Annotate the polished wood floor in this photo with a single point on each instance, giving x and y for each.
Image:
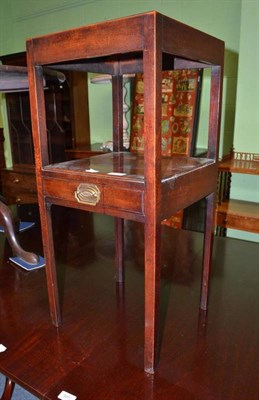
(97, 354)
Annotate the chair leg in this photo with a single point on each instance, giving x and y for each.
(207, 249)
(119, 249)
(8, 389)
(152, 295)
(7, 222)
(51, 273)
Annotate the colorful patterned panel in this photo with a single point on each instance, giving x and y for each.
(179, 93)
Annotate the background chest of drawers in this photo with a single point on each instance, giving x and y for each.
(19, 184)
(67, 124)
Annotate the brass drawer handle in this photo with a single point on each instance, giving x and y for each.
(87, 194)
(18, 200)
(16, 180)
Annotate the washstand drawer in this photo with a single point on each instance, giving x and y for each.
(101, 195)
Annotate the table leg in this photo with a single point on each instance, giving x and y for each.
(119, 249)
(49, 253)
(152, 294)
(207, 249)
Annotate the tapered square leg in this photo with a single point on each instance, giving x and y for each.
(207, 249)
(119, 249)
(152, 295)
(51, 273)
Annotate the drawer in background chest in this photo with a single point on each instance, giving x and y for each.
(19, 187)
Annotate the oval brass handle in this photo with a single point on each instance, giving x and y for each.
(18, 200)
(87, 194)
(16, 180)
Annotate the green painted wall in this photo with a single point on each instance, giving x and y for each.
(234, 21)
(1, 119)
(246, 132)
(28, 18)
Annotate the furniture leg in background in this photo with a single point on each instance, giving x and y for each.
(8, 389)
(7, 222)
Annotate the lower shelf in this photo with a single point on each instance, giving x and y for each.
(238, 214)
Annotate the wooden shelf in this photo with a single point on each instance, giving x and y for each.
(243, 163)
(239, 214)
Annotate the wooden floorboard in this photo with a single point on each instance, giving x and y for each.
(98, 351)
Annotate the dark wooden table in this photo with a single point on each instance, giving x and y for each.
(97, 353)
